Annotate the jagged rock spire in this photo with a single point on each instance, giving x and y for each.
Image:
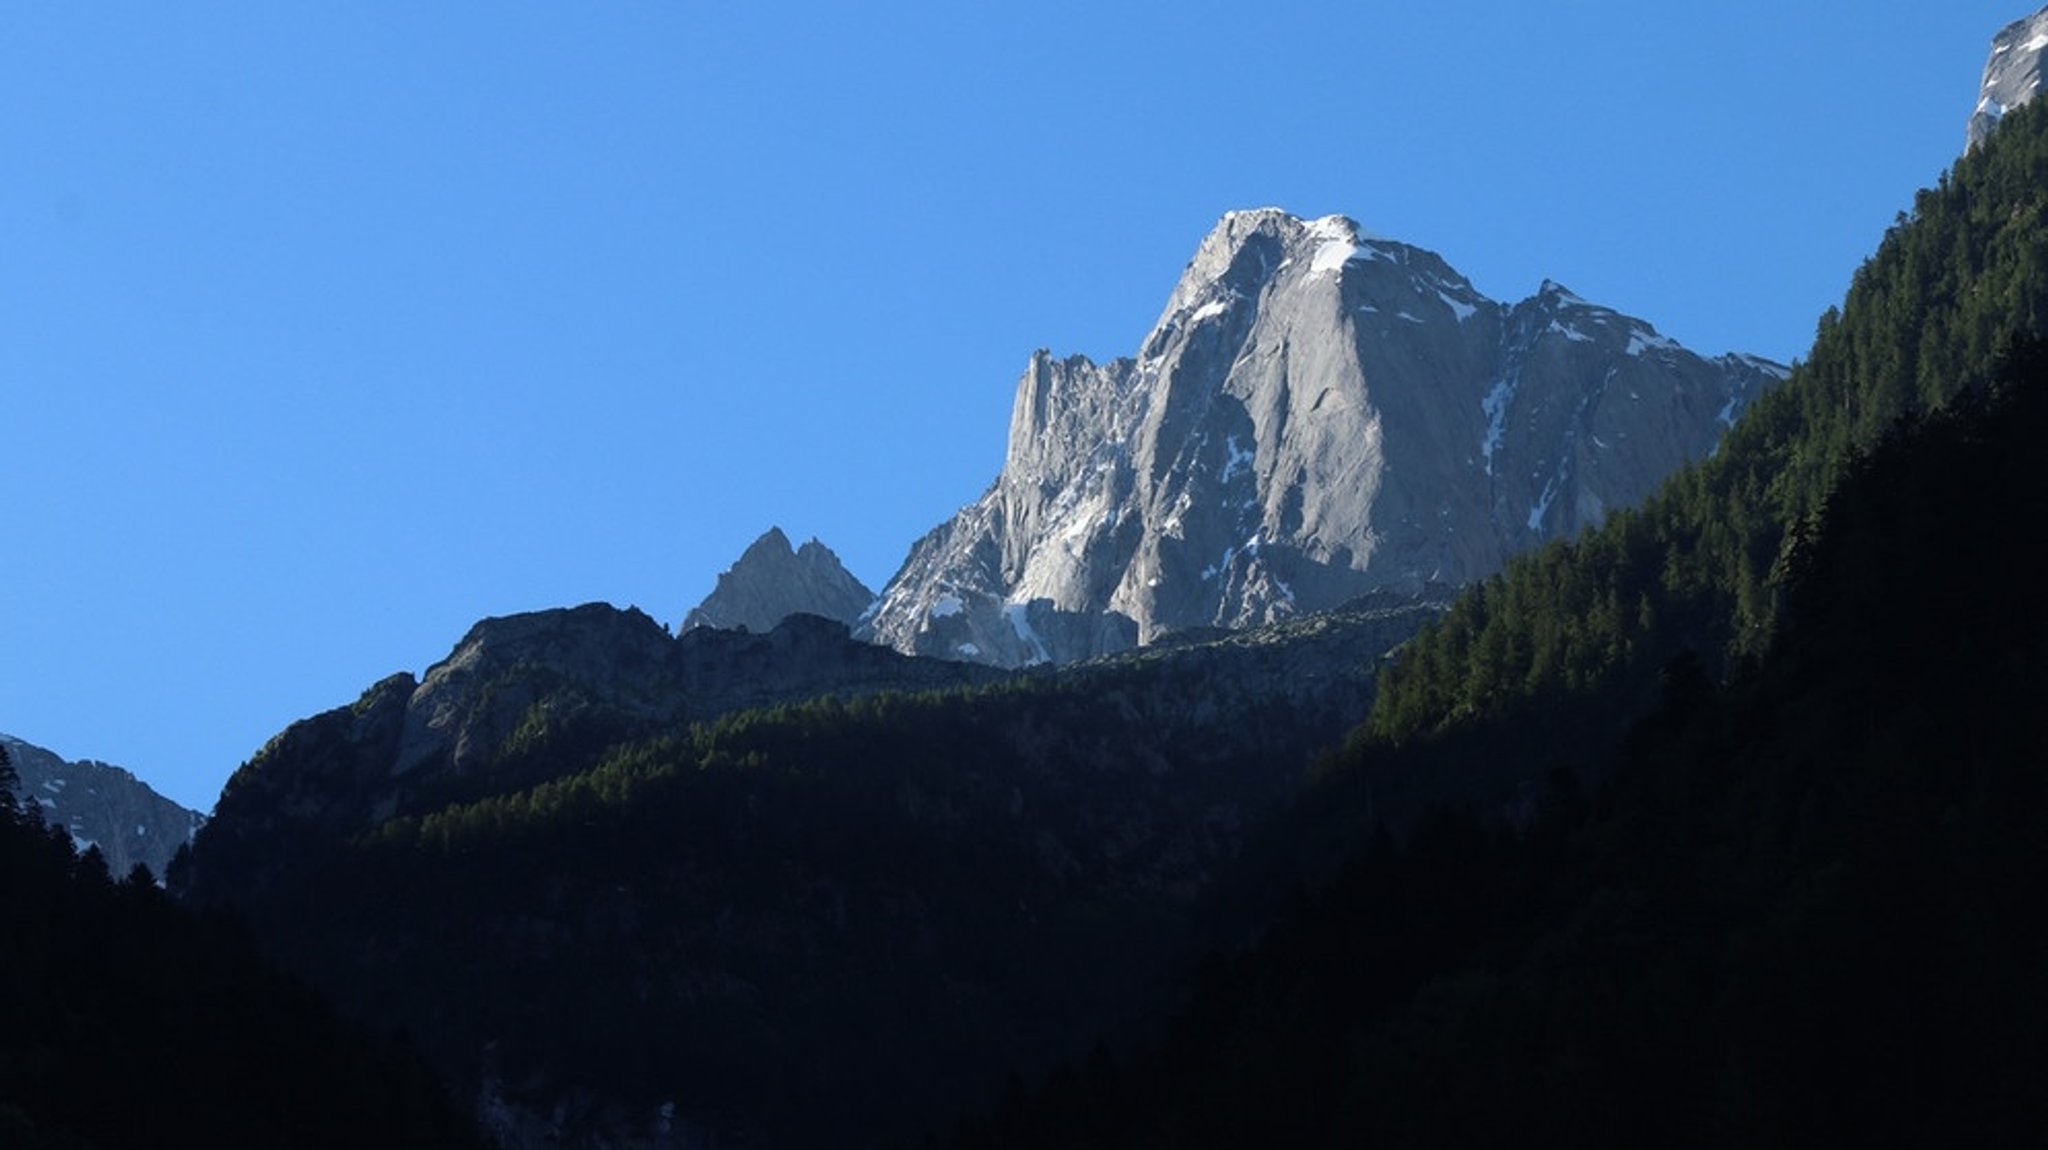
(772, 582)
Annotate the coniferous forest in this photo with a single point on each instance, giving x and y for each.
(126, 1020)
(1724, 824)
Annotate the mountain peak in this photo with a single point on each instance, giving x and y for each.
(771, 581)
(1319, 413)
(772, 541)
(2011, 76)
(1247, 249)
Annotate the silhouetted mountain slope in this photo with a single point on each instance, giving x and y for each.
(128, 1021)
(1804, 909)
(586, 905)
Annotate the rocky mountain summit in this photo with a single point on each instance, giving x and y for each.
(105, 806)
(772, 582)
(1319, 413)
(2012, 75)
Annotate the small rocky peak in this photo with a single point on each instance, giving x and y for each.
(102, 805)
(470, 701)
(772, 547)
(772, 581)
(559, 635)
(1246, 249)
(2011, 76)
(1558, 297)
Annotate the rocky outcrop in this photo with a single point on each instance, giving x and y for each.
(2011, 76)
(771, 582)
(574, 680)
(1318, 414)
(104, 806)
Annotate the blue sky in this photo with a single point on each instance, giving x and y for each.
(328, 330)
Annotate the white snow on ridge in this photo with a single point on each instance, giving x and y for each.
(1777, 371)
(1571, 333)
(2039, 42)
(1566, 295)
(1642, 339)
(1339, 242)
(946, 606)
(1332, 257)
(1463, 311)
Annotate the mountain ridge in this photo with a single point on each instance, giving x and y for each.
(1318, 413)
(103, 806)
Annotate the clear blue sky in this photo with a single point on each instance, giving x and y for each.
(326, 330)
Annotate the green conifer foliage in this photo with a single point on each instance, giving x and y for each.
(1701, 565)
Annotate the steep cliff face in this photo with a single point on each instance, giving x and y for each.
(1318, 414)
(771, 582)
(104, 806)
(2011, 76)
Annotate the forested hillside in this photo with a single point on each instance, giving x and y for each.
(880, 905)
(1700, 566)
(128, 1021)
(1798, 902)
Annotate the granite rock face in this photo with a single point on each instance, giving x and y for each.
(772, 582)
(105, 806)
(1319, 414)
(2011, 76)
